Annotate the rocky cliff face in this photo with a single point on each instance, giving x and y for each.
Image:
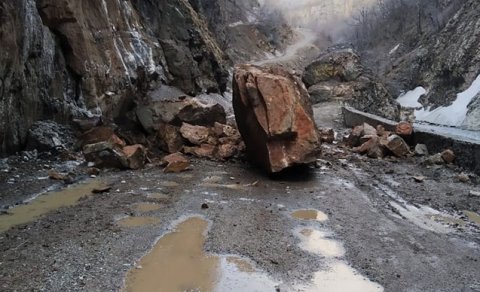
(64, 59)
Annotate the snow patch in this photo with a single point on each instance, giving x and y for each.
(410, 98)
(453, 115)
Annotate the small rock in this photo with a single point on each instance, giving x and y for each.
(419, 179)
(404, 129)
(106, 154)
(353, 140)
(205, 206)
(421, 150)
(463, 177)
(101, 134)
(449, 156)
(204, 151)
(435, 159)
(398, 146)
(136, 156)
(175, 163)
(327, 135)
(474, 194)
(369, 130)
(93, 171)
(197, 135)
(55, 175)
(226, 151)
(101, 190)
(171, 140)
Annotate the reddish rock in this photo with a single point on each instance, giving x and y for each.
(381, 130)
(197, 135)
(404, 129)
(397, 145)
(371, 147)
(226, 151)
(170, 139)
(222, 130)
(448, 156)
(136, 156)
(101, 134)
(175, 163)
(275, 117)
(204, 151)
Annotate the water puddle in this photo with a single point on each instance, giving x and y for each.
(318, 242)
(340, 277)
(310, 215)
(177, 262)
(472, 216)
(133, 222)
(337, 274)
(47, 202)
(146, 207)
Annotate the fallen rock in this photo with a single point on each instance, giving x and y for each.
(105, 154)
(204, 151)
(275, 117)
(463, 177)
(421, 150)
(175, 163)
(398, 146)
(48, 135)
(419, 179)
(101, 189)
(449, 156)
(136, 155)
(55, 175)
(197, 135)
(371, 147)
(226, 151)
(327, 135)
(368, 130)
(474, 194)
(353, 140)
(101, 134)
(186, 110)
(170, 139)
(435, 159)
(404, 129)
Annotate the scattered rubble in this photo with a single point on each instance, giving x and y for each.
(49, 136)
(175, 163)
(275, 117)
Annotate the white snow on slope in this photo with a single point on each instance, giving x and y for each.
(410, 98)
(453, 115)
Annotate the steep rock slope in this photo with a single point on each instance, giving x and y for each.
(64, 59)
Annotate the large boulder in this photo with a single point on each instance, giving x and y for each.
(275, 117)
(342, 65)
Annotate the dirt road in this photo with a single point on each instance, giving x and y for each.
(351, 224)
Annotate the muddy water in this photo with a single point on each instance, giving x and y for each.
(47, 202)
(177, 262)
(310, 215)
(146, 207)
(132, 222)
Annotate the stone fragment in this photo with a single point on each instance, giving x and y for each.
(419, 179)
(369, 130)
(397, 146)
(353, 140)
(175, 163)
(463, 177)
(136, 156)
(55, 175)
(474, 193)
(371, 147)
(226, 151)
(404, 129)
(101, 134)
(327, 135)
(48, 136)
(204, 151)
(275, 117)
(105, 154)
(421, 150)
(170, 139)
(435, 159)
(449, 156)
(197, 135)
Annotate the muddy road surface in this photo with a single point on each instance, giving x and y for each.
(348, 224)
